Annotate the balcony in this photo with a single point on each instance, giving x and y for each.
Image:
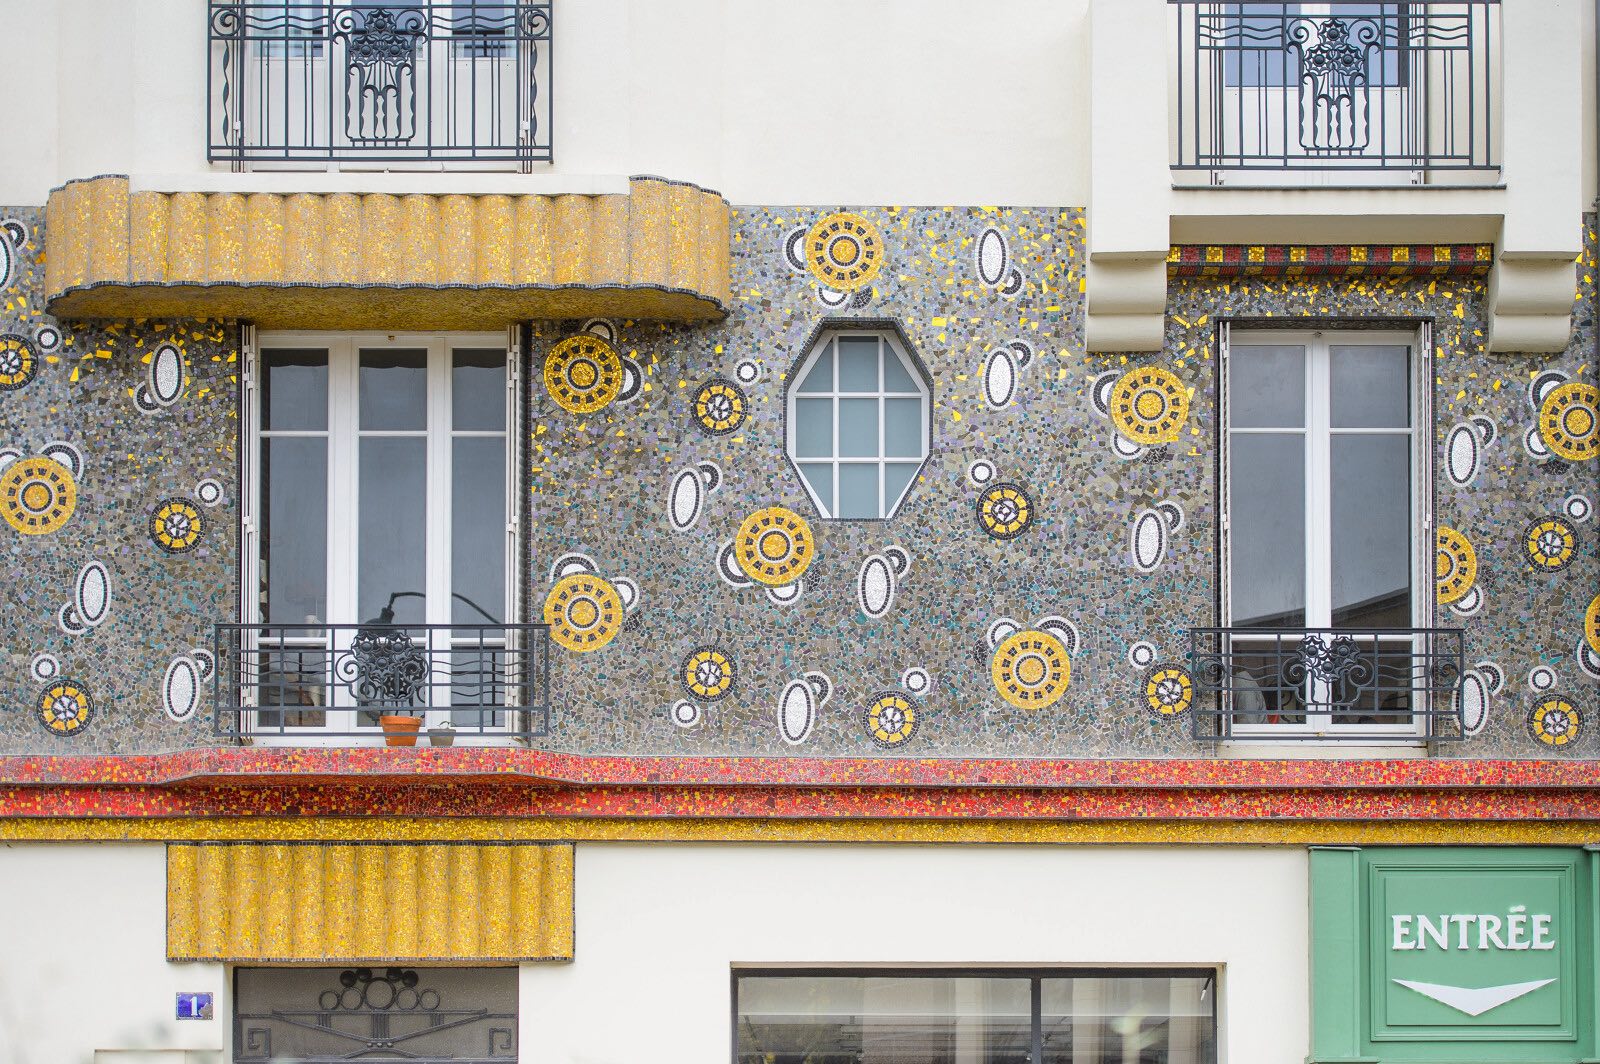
(1377, 684)
(1342, 93)
(294, 84)
(310, 682)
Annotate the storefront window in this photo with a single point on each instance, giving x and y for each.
(943, 1017)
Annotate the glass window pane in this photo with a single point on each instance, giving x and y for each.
(1268, 538)
(858, 490)
(813, 428)
(392, 527)
(1267, 387)
(819, 378)
(294, 529)
(478, 530)
(478, 390)
(820, 476)
(902, 428)
(896, 475)
(1371, 531)
(858, 428)
(1371, 387)
(896, 378)
(337, 1013)
(1117, 1019)
(294, 389)
(394, 389)
(858, 363)
(884, 1020)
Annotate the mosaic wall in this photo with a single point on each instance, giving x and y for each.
(1028, 598)
(117, 489)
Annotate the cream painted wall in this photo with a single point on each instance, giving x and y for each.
(658, 928)
(83, 957)
(830, 101)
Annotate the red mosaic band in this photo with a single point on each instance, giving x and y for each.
(491, 783)
(1329, 260)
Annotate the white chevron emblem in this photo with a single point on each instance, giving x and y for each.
(1474, 1002)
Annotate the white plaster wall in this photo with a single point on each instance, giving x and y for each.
(829, 101)
(658, 928)
(83, 957)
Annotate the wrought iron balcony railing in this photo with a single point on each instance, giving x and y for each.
(298, 82)
(1326, 683)
(1346, 88)
(336, 680)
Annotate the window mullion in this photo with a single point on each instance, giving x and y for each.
(439, 448)
(1319, 509)
(344, 512)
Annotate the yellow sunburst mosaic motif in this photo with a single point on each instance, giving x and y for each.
(844, 251)
(1591, 624)
(37, 495)
(65, 707)
(1550, 544)
(1004, 511)
(720, 406)
(1031, 669)
(18, 362)
(891, 719)
(1149, 405)
(1168, 690)
(774, 546)
(708, 673)
(1555, 722)
(1455, 564)
(1569, 421)
(176, 526)
(583, 373)
(584, 612)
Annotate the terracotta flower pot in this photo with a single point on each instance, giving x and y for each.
(400, 730)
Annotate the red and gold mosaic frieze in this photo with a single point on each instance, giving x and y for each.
(1330, 260)
(491, 784)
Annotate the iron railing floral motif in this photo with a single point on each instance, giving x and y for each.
(319, 81)
(368, 1014)
(1356, 87)
(336, 680)
(1322, 683)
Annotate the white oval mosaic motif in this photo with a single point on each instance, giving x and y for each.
(68, 621)
(992, 257)
(44, 667)
(1142, 655)
(1534, 444)
(1473, 702)
(999, 378)
(685, 714)
(569, 563)
(1493, 674)
(1470, 603)
(93, 594)
(788, 593)
(916, 681)
(7, 262)
(180, 689)
(797, 712)
(1578, 507)
(1147, 540)
(685, 499)
(1461, 452)
(166, 375)
(980, 472)
(1542, 678)
(209, 492)
(875, 586)
(1125, 448)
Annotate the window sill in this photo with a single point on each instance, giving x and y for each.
(1268, 749)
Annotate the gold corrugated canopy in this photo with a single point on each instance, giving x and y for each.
(381, 261)
(369, 902)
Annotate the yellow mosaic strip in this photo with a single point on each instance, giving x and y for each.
(369, 901)
(617, 829)
(301, 260)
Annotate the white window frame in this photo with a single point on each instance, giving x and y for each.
(344, 434)
(1318, 504)
(823, 342)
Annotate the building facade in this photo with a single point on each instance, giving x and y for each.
(1044, 532)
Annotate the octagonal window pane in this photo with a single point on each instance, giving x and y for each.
(858, 416)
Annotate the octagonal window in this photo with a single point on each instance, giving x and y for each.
(858, 423)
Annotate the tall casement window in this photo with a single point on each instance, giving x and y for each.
(994, 1016)
(858, 427)
(380, 494)
(1326, 555)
